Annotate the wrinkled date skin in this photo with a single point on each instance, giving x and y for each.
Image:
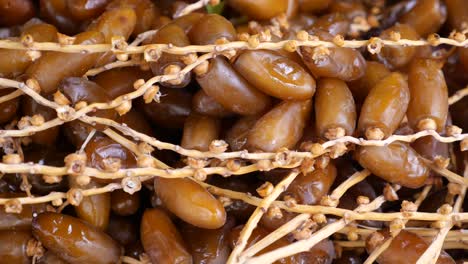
(395, 163)
(81, 90)
(310, 188)
(237, 135)
(75, 241)
(275, 75)
(336, 62)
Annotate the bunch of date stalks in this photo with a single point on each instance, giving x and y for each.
(233, 131)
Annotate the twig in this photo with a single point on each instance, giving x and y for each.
(453, 235)
(191, 7)
(142, 37)
(361, 244)
(132, 146)
(275, 235)
(130, 260)
(11, 96)
(88, 138)
(381, 248)
(458, 95)
(257, 214)
(307, 244)
(266, 155)
(354, 179)
(352, 215)
(299, 246)
(99, 48)
(112, 65)
(449, 175)
(431, 255)
(61, 195)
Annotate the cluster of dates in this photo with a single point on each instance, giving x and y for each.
(255, 100)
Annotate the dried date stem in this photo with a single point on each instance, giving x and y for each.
(257, 214)
(130, 260)
(35, 168)
(268, 155)
(431, 255)
(364, 212)
(306, 244)
(99, 48)
(61, 195)
(192, 7)
(362, 244)
(458, 95)
(381, 248)
(350, 182)
(453, 235)
(112, 65)
(10, 96)
(274, 236)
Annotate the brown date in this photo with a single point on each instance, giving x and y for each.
(396, 163)
(429, 95)
(13, 247)
(206, 105)
(52, 67)
(190, 202)
(231, 90)
(406, 247)
(14, 12)
(161, 239)
(396, 57)
(385, 106)
(172, 110)
(260, 9)
(73, 240)
(336, 62)
(211, 28)
(200, 131)
(123, 203)
(426, 17)
(281, 127)
(333, 122)
(275, 75)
